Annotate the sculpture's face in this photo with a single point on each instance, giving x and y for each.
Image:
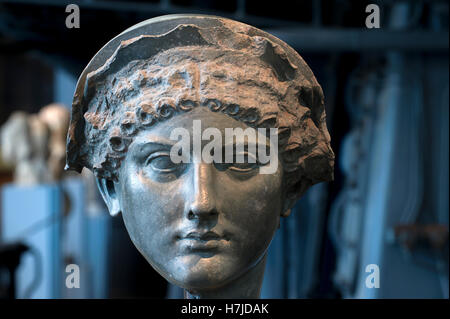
(199, 225)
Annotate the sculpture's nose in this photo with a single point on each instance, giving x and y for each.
(202, 202)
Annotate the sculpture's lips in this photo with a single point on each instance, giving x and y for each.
(202, 236)
(202, 241)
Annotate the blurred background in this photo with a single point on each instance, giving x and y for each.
(387, 103)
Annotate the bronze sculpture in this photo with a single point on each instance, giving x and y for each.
(204, 226)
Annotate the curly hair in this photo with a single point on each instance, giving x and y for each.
(247, 77)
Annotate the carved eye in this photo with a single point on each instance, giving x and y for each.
(161, 163)
(245, 167)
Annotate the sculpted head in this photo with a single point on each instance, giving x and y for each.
(200, 224)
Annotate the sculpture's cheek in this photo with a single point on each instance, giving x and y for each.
(254, 210)
(150, 212)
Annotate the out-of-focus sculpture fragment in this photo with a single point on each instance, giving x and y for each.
(35, 144)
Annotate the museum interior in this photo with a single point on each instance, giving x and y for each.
(378, 230)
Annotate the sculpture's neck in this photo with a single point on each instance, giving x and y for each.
(248, 286)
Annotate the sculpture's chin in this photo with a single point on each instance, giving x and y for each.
(200, 273)
(200, 280)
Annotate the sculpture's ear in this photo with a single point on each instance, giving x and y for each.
(108, 190)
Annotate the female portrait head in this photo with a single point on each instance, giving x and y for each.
(202, 225)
